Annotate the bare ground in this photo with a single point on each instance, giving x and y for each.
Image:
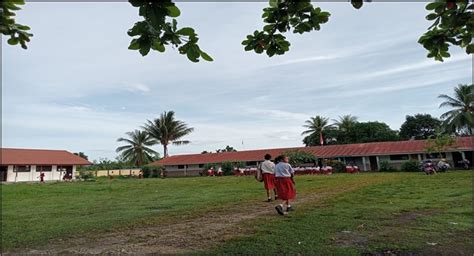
(186, 235)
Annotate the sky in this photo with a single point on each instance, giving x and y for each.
(79, 88)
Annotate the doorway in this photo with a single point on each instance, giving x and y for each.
(373, 163)
(3, 173)
(65, 172)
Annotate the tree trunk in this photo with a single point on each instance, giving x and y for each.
(165, 151)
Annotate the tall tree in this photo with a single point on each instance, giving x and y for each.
(226, 149)
(315, 127)
(345, 122)
(461, 117)
(166, 129)
(419, 126)
(371, 132)
(137, 150)
(82, 155)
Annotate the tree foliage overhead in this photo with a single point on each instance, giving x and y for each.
(453, 24)
(280, 17)
(159, 28)
(419, 126)
(18, 33)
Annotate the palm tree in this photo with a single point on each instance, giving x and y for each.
(137, 150)
(461, 117)
(166, 129)
(316, 125)
(345, 122)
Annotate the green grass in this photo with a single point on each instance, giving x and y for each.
(401, 211)
(403, 215)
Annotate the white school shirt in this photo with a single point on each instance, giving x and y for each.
(283, 169)
(267, 167)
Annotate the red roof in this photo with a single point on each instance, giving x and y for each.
(330, 151)
(16, 156)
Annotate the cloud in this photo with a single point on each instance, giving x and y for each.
(137, 87)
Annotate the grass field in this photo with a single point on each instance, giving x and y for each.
(339, 214)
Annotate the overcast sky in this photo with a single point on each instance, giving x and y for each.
(78, 88)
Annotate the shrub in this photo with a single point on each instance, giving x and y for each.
(152, 171)
(337, 165)
(86, 175)
(227, 168)
(410, 166)
(385, 166)
(299, 157)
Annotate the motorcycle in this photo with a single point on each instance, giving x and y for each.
(428, 167)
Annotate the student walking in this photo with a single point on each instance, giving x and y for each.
(285, 185)
(41, 176)
(268, 174)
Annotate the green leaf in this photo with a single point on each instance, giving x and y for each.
(173, 11)
(357, 3)
(432, 6)
(186, 31)
(470, 49)
(134, 45)
(157, 45)
(205, 56)
(273, 3)
(193, 53)
(431, 16)
(13, 41)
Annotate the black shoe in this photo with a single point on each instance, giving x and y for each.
(276, 198)
(279, 209)
(290, 209)
(269, 200)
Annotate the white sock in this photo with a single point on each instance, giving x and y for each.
(288, 206)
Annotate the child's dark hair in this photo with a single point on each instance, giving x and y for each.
(268, 156)
(279, 158)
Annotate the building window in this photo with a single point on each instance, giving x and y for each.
(435, 155)
(181, 166)
(201, 165)
(399, 157)
(22, 168)
(44, 168)
(252, 163)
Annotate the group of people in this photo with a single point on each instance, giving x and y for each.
(278, 178)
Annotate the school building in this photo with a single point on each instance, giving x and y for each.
(18, 165)
(367, 156)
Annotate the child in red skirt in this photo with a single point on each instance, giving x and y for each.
(268, 173)
(285, 185)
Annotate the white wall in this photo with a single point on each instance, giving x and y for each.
(33, 175)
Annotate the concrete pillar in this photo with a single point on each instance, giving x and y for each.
(364, 165)
(419, 157)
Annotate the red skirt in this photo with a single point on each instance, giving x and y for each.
(285, 188)
(269, 181)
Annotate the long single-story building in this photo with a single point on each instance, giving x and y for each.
(26, 164)
(367, 156)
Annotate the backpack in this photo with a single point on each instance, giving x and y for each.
(258, 174)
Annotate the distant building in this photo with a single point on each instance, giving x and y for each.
(365, 155)
(19, 165)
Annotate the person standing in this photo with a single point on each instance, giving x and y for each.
(285, 185)
(41, 176)
(268, 174)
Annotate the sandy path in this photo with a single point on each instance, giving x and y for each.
(187, 235)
